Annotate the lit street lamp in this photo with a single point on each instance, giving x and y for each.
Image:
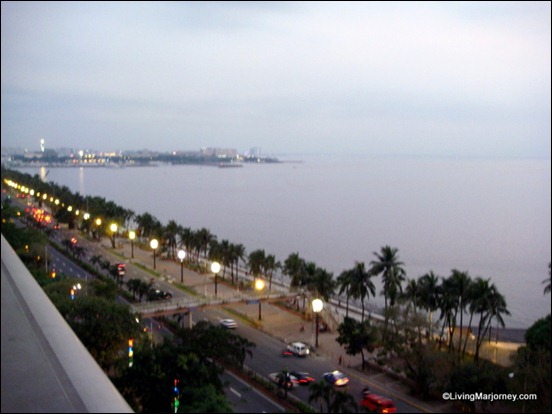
(317, 306)
(181, 256)
(132, 236)
(98, 224)
(154, 244)
(113, 228)
(215, 268)
(259, 286)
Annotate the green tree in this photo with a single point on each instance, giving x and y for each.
(392, 273)
(321, 391)
(357, 337)
(361, 285)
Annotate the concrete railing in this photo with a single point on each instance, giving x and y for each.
(45, 367)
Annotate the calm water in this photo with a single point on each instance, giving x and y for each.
(490, 218)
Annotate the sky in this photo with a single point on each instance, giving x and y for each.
(454, 79)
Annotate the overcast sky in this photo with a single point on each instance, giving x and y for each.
(453, 79)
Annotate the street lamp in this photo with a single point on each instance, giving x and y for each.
(215, 268)
(154, 244)
(317, 306)
(181, 256)
(113, 228)
(98, 224)
(259, 286)
(132, 236)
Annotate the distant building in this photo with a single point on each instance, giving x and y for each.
(219, 152)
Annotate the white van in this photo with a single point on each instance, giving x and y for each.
(298, 348)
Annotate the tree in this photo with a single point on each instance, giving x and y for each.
(344, 284)
(321, 391)
(256, 262)
(361, 285)
(294, 267)
(392, 273)
(461, 282)
(428, 287)
(357, 337)
(283, 380)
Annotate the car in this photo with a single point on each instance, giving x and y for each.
(298, 348)
(291, 383)
(337, 378)
(303, 378)
(229, 323)
(377, 404)
(156, 294)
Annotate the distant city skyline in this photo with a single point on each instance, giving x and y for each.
(458, 79)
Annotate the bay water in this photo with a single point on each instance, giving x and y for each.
(491, 218)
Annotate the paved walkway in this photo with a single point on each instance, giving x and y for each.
(286, 324)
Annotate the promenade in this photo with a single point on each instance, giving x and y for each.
(285, 324)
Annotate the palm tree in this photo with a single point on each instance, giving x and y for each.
(294, 267)
(343, 402)
(170, 231)
(321, 391)
(204, 238)
(323, 283)
(491, 304)
(237, 253)
(392, 274)
(96, 259)
(428, 286)
(461, 282)
(344, 283)
(477, 292)
(284, 380)
(256, 262)
(270, 266)
(361, 285)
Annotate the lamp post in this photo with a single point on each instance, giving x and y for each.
(317, 306)
(181, 256)
(215, 268)
(154, 244)
(98, 224)
(132, 236)
(113, 228)
(259, 286)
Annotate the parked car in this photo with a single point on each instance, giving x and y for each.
(290, 384)
(229, 323)
(303, 378)
(377, 404)
(337, 378)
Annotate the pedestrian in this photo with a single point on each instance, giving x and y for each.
(340, 359)
(302, 328)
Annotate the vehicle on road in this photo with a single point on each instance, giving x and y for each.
(156, 294)
(297, 348)
(337, 378)
(377, 404)
(229, 323)
(303, 378)
(276, 377)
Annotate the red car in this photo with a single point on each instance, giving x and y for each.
(377, 404)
